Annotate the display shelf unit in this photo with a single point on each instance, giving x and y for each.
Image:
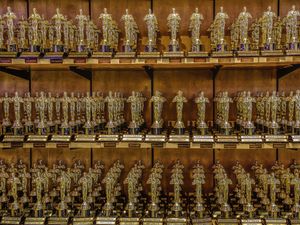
(143, 145)
(210, 77)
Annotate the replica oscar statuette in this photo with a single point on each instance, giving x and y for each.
(173, 23)
(130, 42)
(179, 133)
(151, 53)
(197, 50)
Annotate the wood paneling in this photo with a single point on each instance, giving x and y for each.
(255, 7)
(191, 82)
(290, 82)
(163, 8)
(19, 7)
(58, 82)
(286, 5)
(246, 157)
(288, 156)
(68, 8)
(127, 157)
(188, 157)
(254, 80)
(11, 84)
(68, 156)
(14, 155)
(125, 81)
(117, 9)
(185, 10)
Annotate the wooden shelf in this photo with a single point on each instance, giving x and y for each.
(143, 145)
(141, 66)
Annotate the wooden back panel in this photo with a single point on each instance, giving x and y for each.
(254, 80)
(68, 156)
(191, 82)
(286, 5)
(125, 81)
(68, 8)
(117, 9)
(19, 7)
(163, 8)
(58, 82)
(188, 157)
(11, 84)
(127, 157)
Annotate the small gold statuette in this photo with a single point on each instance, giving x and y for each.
(107, 43)
(6, 123)
(201, 102)
(179, 99)
(34, 21)
(134, 123)
(17, 125)
(2, 23)
(131, 32)
(81, 22)
(296, 103)
(133, 181)
(58, 20)
(137, 122)
(173, 23)
(197, 49)
(243, 24)
(271, 36)
(292, 33)
(223, 106)
(111, 105)
(112, 189)
(194, 28)
(152, 27)
(177, 212)
(198, 177)
(10, 16)
(157, 101)
(217, 35)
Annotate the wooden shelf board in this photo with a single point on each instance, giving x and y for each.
(143, 145)
(141, 66)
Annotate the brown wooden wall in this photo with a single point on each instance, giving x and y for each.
(168, 81)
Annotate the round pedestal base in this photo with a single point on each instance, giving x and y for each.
(179, 131)
(156, 131)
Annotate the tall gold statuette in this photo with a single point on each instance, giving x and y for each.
(137, 123)
(271, 27)
(157, 134)
(109, 38)
(244, 46)
(179, 133)
(197, 50)
(155, 215)
(173, 23)
(108, 213)
(223, 125)
(292, 31)
(130, 43)
(88, 126)
(217, 35)
(132, 210)
(200, 215)
(201, 133)
(177, 215)
(151, 49)
(8, 48)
